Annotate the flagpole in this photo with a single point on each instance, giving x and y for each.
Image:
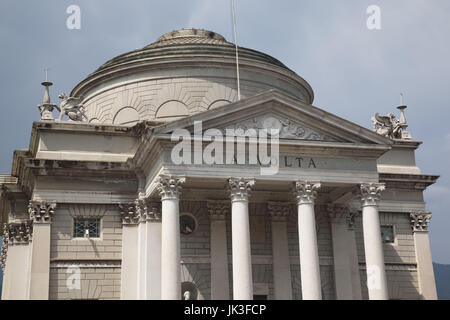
(237, 52)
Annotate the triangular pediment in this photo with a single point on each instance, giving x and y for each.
(273, 109)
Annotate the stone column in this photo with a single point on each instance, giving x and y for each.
(345, 256)
(309, 255)
(141, 211)
(218, 211)
(373, 245)
(427, 283)
(153, 251)
(170, 190)
(41, 214)
(282, 280)
(129, 270)
(15, 260)
(240, 228)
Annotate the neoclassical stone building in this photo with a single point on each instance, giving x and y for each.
(97, 208)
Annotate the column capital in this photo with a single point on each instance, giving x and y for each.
(371, 193)
(41, 211)
(279, 211)
(169, 187)
(218, 209)
(420, 221)
(240, 188)
(306, 191)
(15, 233)
(129, 213)
(341, 214)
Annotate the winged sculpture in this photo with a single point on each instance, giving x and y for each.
(71, 107)
(387, 126)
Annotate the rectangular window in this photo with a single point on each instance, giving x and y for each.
(86, 228)
(387, 234)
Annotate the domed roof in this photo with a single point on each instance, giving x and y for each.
(190, 41)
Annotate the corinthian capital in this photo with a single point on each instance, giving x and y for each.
(19, 232)
(371, 193)
(341, 214)
(129, 213)
(306, 192)
(169, 187)
(279, 211)
(153, 211)
(240, 188)
(41, 211)
(218, 209)
(420, 220)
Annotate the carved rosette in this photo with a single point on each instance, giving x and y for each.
(240, 188)
(420, 220)
(341, 214)
(41, 211)
(218, 210)
(279, 211)
(129, 213)
(371, 193)
(306, 192)
(169, 187)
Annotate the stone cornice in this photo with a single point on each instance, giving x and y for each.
(420, 221)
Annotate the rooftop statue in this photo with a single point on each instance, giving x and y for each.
(391, 127)
(71, 107)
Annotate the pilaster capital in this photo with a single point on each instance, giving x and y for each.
(279, 211)
(420, 221)
(169, 187)
(371, 193)
(153, 211)
(218, 209)
(240, 188)
(341, 214)
(129, 214)
(306, 191)
(41, 211)
(18, 232)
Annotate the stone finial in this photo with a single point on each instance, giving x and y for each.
(306, 191)
(240, 188)
(41, 211)
(218, 209)
(279, 211)
(169, 187)
(371, 193)
(420, 220)
(46, 108)
(129, 213)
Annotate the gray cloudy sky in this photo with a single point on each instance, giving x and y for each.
(354, 72)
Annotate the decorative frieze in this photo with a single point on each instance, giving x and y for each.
(420, 220)
(371, 193)
(41, 211)
(218, 209)
(169, 187)
(279, 211)
(306, 192)
(129, 213)
(240, 188)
